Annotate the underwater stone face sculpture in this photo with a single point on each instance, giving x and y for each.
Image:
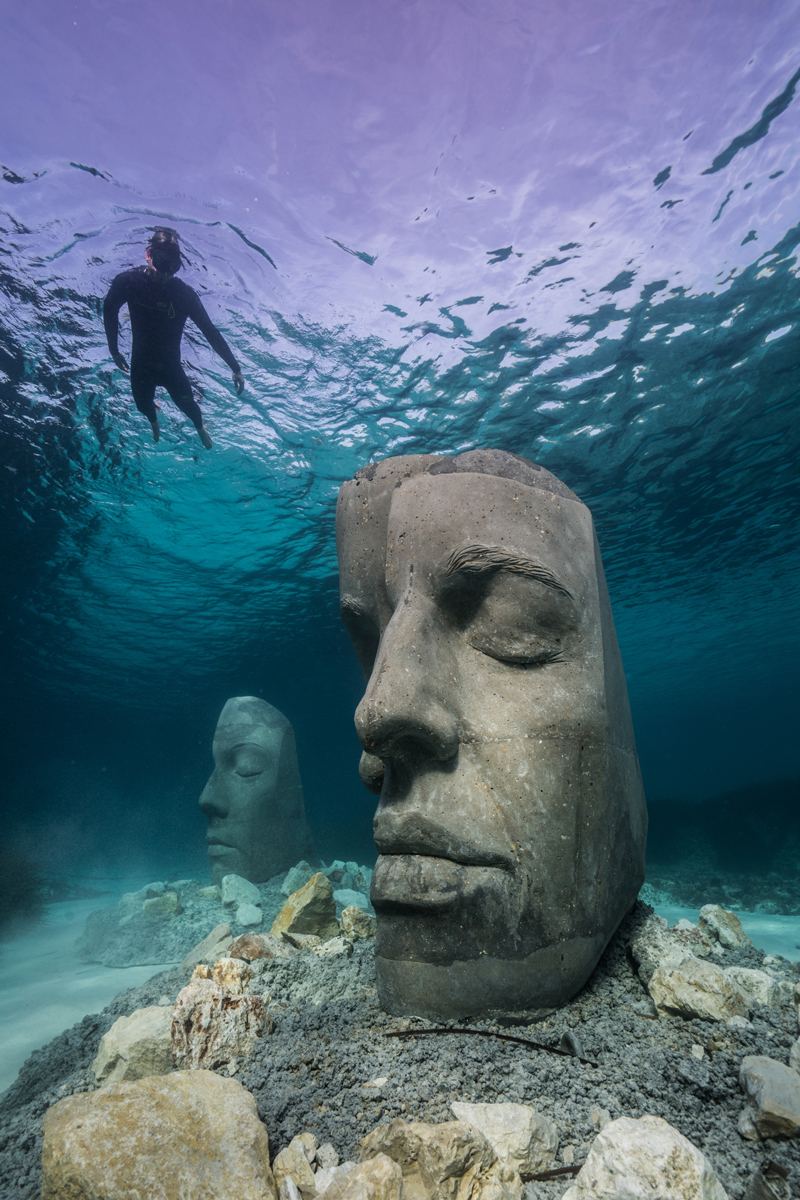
(495, 725)
(254, 799)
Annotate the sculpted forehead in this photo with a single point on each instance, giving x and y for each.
(249, 720)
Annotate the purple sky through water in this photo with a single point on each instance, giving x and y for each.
(421, 134)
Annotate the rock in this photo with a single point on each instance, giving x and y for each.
(739, 1023)
(524, 1139)
(252, 946)
(209, 893)
(288, 1190)
(212, 1027)
(302, 941)
(723, 926)
(135, 1046)
(210, 1142)
(310, 1145)
(654, 947)
(236, 890)
(327, 1157)
(212, 947)
(378, 1178)
(758, 985)
(600, 1117)
(248, 914)
(233, 974)
(333, 948)
(794, 1056)
(148, 892)
(451, 1161)
(773, 1092)
(692, 937)
(348, 898)
(697, 989)
(293, 1161)
(326, 1175)
(645, 1158)
(309, 910)
(770, 1182)
(168, 905)
(296, 877)
(356, 923)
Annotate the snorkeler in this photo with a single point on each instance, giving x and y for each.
(159, 304)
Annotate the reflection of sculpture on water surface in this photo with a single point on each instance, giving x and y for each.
(254, 799)
(511, 822)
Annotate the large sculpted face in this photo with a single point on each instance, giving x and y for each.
(495, 724)
(254, 798)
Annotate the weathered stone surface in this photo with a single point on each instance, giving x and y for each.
(309, 910)
(210, 949)
(235, 890)
(519, 810)
(185, 1135)
(356, 923)
(296, 877)
(252, 946)
(293, 1161)
(148, 892)
(723, 926)
(302, 941)
(325, 1176)
(693, 938)
(349, 898)
(451, 1161)
(254, 799)
(249, 914)
(212, 1027)
(794, 1056)
(697, 989)
(166, 905)
(524, 1139)
(656, 947)
(773, 1092)
(288, 1189)
(135, 1046)
(233, 974)
(378, 1178)
(758, 985)
(210, 893)
(333, 948)
(327, 1157)
(645, 1160)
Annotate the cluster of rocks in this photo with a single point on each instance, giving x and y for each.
(662, 1094)
(689, 884)
(162, 921)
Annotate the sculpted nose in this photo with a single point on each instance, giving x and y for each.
(211, 802)
(405, 712)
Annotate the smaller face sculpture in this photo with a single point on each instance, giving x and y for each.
(495, 724)
(254, 799)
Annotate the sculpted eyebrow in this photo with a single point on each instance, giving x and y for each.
(481, 560)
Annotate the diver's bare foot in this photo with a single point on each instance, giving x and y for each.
(156, 430)
(205, 437)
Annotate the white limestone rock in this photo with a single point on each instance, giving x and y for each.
(334, 948)
(697, 989)
(723, 926)
(645, 1159)
(212, 947)
(327, 1157)
(378, 1178)
(356, 923)
(655, 947)
(292, 1162)
(166, 905)
(189, 1134)
(209, 893)
(326, 1175)
(348, 898)
(213, 1027)
(135, 1046)
(236, 890)
(773, 1093)
(296, 877)
(521, 1137)
(758, 985)
(249, 915)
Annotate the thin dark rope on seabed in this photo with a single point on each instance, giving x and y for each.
(503, 1037)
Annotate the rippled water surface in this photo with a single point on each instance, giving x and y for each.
(570, 231)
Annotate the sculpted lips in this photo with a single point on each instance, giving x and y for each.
(424, 865)
(416, 834)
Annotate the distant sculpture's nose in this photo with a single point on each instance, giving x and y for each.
(212, 801)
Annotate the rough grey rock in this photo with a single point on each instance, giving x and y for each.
(212, 947)
(773, 1092)
(758, 985)
(135, 1046)
(794, 1056)
(347, 898)
(254, 799)
(296, 877)
(697, 989)
(645, 1158)
(724, 926)
(235, 890)
(516, 809)
(656, 947)
(521, 1137)
(249, 916)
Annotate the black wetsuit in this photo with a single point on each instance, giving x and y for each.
(158, 309)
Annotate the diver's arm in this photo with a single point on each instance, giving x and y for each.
(215, 339)
(115, 298)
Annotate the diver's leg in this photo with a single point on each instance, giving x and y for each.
(144, 392)
(180, 391)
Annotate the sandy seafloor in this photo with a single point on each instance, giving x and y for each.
(330, 1037)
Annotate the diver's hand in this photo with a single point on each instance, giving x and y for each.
(238, 380)
(120, 361)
